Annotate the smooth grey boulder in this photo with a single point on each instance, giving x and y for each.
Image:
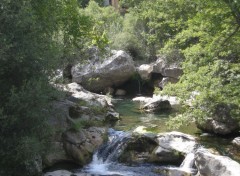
(174, 102)
(98, 75)
(157, 105)
(77, 92)
(145, 71)
(215, 165)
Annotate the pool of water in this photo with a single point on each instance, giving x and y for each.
(132, 117)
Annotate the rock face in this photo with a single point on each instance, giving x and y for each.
(173, 147)
(59, 173)
(81, 145)
(68, 145)
(72, 141)
(97, 76)
(77, 93)
(165, 148)
(221, 123)
(145, 71)
(138, 150)
(169, 73)
(214, 165)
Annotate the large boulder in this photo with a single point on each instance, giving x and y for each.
(97, 76)
(68, 119)
(164, 148)
(174, 102)
(221, 122)
(157, 105)
(138, 149)
(145, 71)
(215, 165)
(160, 71)
(173, 147)
(61, 146)
(78, 93)
(81, 145)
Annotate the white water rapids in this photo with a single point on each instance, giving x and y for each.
(105, 163)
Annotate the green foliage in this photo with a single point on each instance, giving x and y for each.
(209, 46)
(24, 128)
(107, 22)
(35, 36)
(129, 38)
(84, 124)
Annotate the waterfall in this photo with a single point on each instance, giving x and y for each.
(188, 163)
(108, 154)
(105, 163)
(116, 143)
(139, 87)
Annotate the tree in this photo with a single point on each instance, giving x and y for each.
(34, 35)
(209, 44)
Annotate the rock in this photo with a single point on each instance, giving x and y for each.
(56, 155)
(157, 105)
(172, 72)
(214, 165)
(92, 99)
(173, 147)
(66, 114)
(145, 71)
(236, 142)
(58, 173)
(174, 102)
(165, 148)
(120, 92)
(221, 122)
(34, 166)
(138, 149)
(112, 116)
(113, 71)
(172, 171)
(81, 145)
(142, 99)
(167, 80)
(159, 65)
(140, 130)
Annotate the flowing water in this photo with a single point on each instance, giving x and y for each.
(104, 161)
(132, 117)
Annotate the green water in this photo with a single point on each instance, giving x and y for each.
(132, 117)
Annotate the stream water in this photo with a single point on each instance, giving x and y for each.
(104, 161)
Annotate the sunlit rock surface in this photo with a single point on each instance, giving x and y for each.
(100, 74)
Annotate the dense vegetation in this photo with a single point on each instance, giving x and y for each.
(39, 36)
(204, 36)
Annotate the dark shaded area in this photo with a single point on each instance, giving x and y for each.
(62, 166)
(138, 87)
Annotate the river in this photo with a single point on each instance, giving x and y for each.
(105, 159)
